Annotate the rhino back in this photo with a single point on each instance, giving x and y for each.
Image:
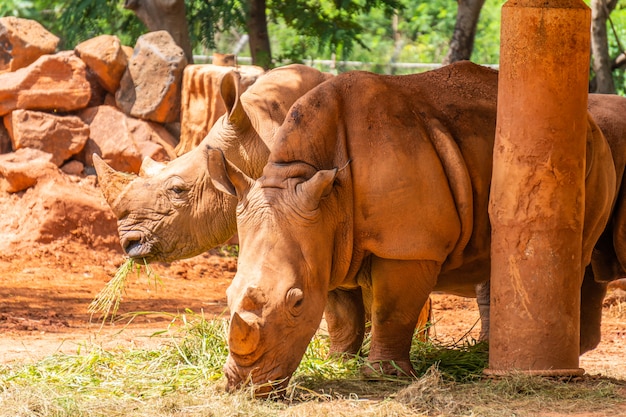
(401, 203)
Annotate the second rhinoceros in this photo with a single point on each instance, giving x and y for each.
(172, 211)
(392, 172)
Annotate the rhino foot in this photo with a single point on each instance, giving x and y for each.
(376, 370)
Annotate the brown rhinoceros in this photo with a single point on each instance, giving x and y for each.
(388, 172)
(172, 211)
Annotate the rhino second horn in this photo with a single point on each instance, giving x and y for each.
(150, 167)
(111, 183)
(244, 336)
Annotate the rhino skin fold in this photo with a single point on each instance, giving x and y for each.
(538, 188)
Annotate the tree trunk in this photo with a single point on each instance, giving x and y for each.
(601, 61)
(166, 15)
(256, 24)
(462, 42)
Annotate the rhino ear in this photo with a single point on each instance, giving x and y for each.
(317, 187)
(230, 90)
(225, 176)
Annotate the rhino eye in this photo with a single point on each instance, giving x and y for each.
(177, 190)
(295, 300)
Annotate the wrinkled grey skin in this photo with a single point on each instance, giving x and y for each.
(172, 211)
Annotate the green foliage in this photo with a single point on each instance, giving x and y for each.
(210, 19)
(323, 27)
(75, 21)
(617, 43)
(423, 32)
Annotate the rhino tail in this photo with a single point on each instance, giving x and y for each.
(460, 185)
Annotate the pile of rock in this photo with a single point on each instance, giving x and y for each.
(71, 104)
(125, 104)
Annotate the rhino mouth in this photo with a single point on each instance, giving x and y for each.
(269, 383)
(135, 246)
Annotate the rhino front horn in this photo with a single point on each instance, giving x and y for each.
(244, 336)
(111, 182)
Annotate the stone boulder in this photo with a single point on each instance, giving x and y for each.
(60, 136)
(105, 56)
(151, 85)
(202, 103)
(122, 141)
(53, 82)
(22, 42)
(22, 169)
(57, 209)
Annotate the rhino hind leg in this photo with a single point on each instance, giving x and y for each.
(345, 316)
(399, 291)
(592, 295)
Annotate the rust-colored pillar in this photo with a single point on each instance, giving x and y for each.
(537, 192)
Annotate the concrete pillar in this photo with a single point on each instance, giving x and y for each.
(537, 192)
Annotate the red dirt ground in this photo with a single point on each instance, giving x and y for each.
(45, 293)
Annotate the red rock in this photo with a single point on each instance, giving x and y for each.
(22, 41)
(151, 85)
(61, 136)
(58, 208)
(122, 141)
(202, 103)
(73, 167)
(98, 93)
(106, 58)
(152, 139)
(21, 169)
(53, 82)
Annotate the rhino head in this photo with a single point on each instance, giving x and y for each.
(278, 295)
(172, 211)
(161, 212)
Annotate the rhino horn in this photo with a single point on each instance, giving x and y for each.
(150, 167)
(112, 183)
(244, 335)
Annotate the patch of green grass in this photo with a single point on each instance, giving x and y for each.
(184, 377)
(229, 251)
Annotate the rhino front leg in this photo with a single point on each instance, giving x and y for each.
(345, 316)
(399, 290)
